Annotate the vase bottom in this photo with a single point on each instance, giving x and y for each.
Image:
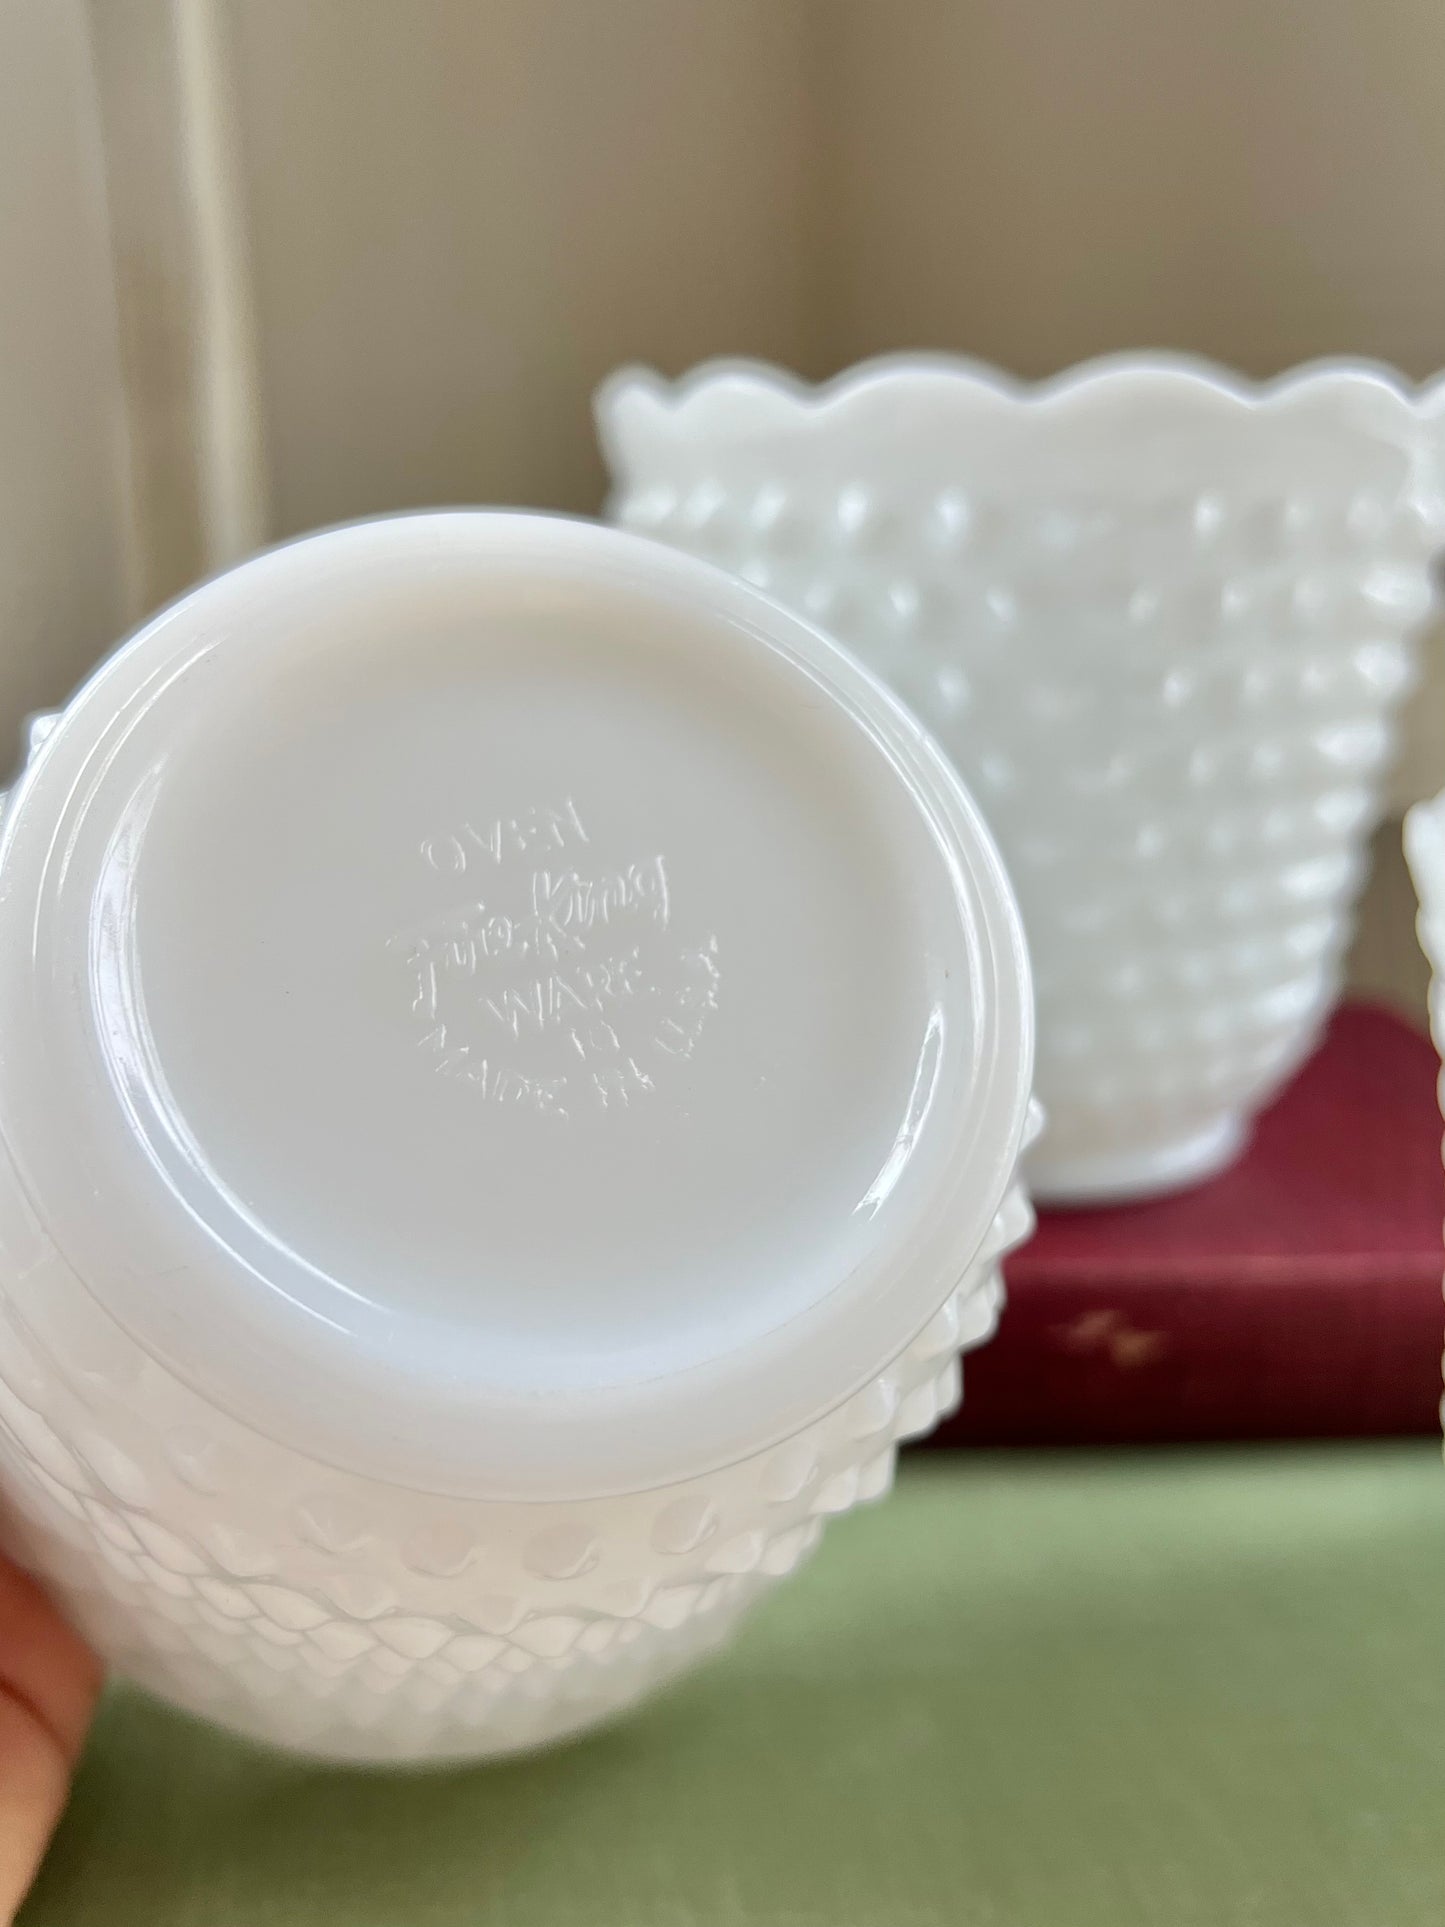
(1151, 1171)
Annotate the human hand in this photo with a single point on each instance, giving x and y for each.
(49, 1681)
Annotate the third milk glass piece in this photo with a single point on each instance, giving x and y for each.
(1161, 619)
(1425, 852)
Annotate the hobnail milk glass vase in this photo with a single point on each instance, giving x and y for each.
(514, 1057)
(1161, 620)
(1425, 852)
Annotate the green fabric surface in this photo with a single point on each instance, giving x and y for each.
(1182, 1689)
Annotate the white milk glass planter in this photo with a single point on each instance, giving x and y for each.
(514, 1056)
(1160, 619)
(1425, 852)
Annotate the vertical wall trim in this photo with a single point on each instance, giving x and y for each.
(229, 419)
(187, 342)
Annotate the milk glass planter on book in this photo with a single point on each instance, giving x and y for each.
(1161, 620)
(514, 1056)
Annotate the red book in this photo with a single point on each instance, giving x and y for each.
(1298, 1295)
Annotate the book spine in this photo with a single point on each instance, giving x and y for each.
(1081, 1362)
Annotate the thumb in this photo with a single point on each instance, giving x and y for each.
(49, 1681)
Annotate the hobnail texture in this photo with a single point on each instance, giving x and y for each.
(1162, 622)
(417, 1627)
(1425, 852)
(376, 1553)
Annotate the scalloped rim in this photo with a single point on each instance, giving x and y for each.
(1076, 391)
(1084, 378)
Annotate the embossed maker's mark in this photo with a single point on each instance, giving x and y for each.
(533, 994)
(456, 851)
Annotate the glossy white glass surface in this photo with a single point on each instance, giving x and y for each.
(1425, 852)
(513, 1060)
(1160, 618)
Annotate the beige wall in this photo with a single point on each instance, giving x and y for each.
(1259, 180)
(271, 263)
(462, 215)
(64, 548)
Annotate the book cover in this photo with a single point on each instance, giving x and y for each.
(1296, 1295)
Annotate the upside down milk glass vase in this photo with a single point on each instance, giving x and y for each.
(514, 1054)
(1161, 619)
